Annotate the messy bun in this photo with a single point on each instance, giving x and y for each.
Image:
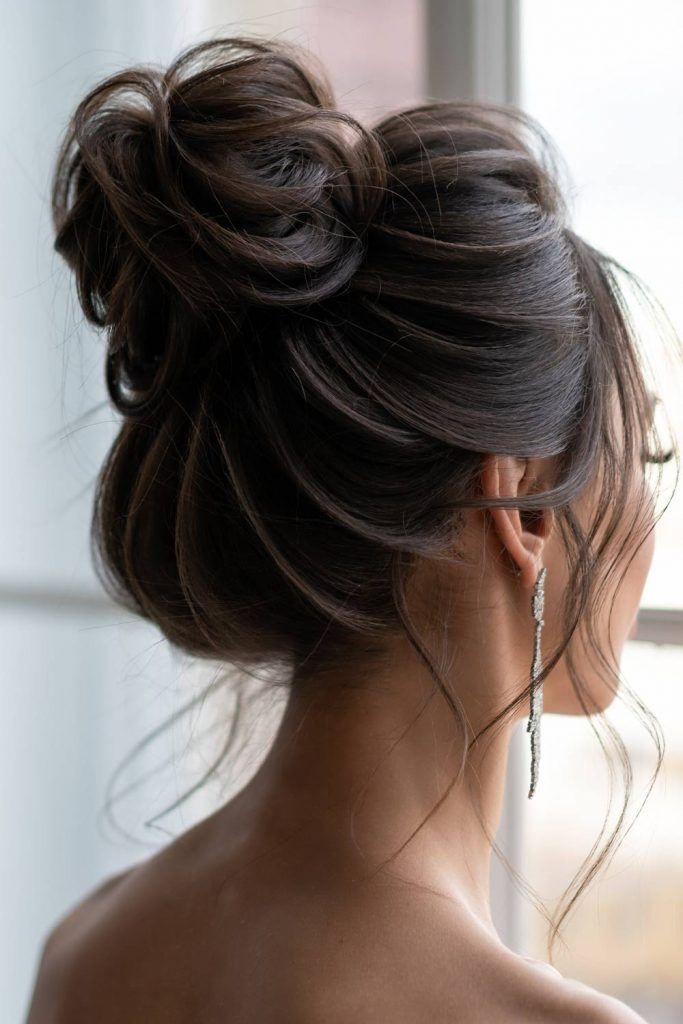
(314, 331)
(185, 197)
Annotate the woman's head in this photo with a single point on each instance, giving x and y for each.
(319, 335)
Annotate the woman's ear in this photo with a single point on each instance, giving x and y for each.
(522, 534)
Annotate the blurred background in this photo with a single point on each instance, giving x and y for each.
(84, 686)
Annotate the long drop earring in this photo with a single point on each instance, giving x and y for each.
(536, 687)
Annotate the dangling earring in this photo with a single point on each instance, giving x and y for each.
(535, 687)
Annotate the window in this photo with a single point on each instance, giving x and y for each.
(610, 97)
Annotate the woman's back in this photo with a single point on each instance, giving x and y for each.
(223, 928)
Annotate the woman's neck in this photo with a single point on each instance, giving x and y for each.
(364, 766)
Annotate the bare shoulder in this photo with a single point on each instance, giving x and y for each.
(408, 961)
(534, 991)
(113, 941)
(113, 945)
(589, 1005)
(58, 955)
(585, 1005)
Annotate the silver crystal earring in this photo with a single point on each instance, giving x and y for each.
(536, 687)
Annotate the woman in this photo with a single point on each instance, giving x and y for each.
(384, 428)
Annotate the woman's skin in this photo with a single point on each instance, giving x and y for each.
(276, 908)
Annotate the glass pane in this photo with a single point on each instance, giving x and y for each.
(626, 934)
(610, 96)
(53, 417)
(80, 689)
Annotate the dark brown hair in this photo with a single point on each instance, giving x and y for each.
(314, 331)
